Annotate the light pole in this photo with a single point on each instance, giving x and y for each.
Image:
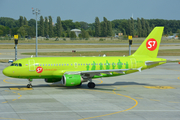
(36, 12)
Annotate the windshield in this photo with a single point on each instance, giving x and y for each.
(16, 64)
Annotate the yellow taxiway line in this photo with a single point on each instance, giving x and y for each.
(113, 92)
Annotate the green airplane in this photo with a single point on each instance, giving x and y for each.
(73, 71)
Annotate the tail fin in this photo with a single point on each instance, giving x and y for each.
(151, 44)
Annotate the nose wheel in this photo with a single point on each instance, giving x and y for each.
(29, 85)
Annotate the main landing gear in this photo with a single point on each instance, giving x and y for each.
(91, 84)
(29, 85)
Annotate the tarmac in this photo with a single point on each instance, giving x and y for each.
(10, 53)
(153, 94)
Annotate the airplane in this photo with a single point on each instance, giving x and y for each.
(73, 71)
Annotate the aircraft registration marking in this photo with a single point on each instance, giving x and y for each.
(151, 44)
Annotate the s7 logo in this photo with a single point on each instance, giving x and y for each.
(151, 44)
(39, 69)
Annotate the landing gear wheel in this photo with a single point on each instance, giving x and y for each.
(91, 85)
(29, 86)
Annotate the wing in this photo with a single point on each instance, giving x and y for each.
(92, 73)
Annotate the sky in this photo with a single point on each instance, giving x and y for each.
(87, 10)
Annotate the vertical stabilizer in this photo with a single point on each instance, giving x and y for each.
(151, 44)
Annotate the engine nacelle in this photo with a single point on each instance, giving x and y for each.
(71, 80)
(51, 80)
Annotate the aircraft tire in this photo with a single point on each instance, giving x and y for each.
(91, 85)
(29, 86)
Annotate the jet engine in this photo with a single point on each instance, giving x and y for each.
(71, 80)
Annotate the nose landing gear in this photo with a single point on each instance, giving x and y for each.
(29, 85)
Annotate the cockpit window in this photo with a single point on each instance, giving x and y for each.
(16, 64)
(12, 64)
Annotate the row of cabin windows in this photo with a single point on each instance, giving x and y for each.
(79, 64)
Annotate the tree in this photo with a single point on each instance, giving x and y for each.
(91, 32)
(1, 32)
(14, 31)
(25, 21)
(84, 25)
(178, 31)
(31, 31)
(32, 22)
(129, 29)
(46, 27)
(121, 25)
(22, 31)
(9, 22)
(139, 28)
(109, 28)
(76, 25)
(5, 30)
(85, 34)
(68, 31)
(72, 35)
(132, 27)
(68, 24)
(51, 33)
(104, 28)
(41, 26)
(147, 27)
(21, 23)
(59, 26)
(97, 27)
(144, 31)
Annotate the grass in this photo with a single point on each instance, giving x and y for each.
(91, 40)
(4, 60)
(108, 53)
(61, 46)
(66, 46)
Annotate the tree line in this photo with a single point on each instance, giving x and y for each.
(62, 28)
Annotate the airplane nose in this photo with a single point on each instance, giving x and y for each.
(6, 72)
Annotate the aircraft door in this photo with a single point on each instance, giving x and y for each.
(133, 63)
(75, 65)
(31, 65)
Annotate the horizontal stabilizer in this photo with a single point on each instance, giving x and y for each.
(148, 63)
